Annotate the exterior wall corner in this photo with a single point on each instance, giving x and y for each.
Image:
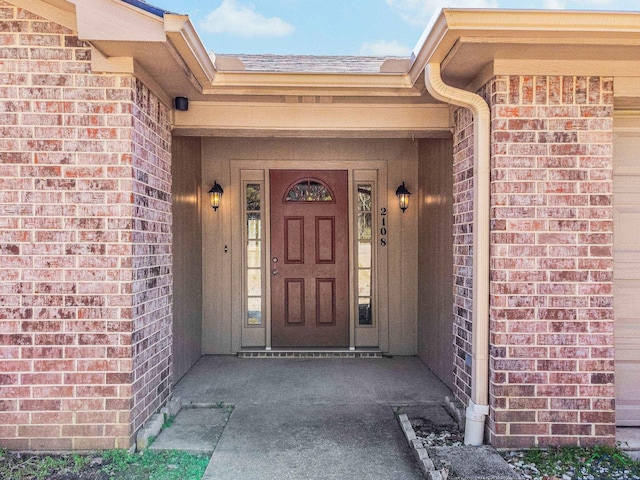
(85, 245)
(551, 300)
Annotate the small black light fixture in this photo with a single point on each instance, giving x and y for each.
(181, 103)
(214, 196)
(403, 197)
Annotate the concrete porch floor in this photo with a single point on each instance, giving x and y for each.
(387, 381)
(311, 418)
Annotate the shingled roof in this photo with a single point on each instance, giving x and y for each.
(310, 63)
(141, 4)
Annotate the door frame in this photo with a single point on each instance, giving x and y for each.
(251, 171)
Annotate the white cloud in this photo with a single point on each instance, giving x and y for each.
(419, 12)
(594, 3)
(555, 4)
(627, 5)
(243, 20)
(382, 48)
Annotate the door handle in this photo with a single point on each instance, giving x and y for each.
(274, 272)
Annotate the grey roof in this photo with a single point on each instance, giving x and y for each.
(311, 63)
(141, 4)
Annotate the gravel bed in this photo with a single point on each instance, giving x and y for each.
(603, 467)
(598, 468)
(434, 435)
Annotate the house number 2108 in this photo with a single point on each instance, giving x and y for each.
(383, 227)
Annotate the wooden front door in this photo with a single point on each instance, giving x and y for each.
(309, 258)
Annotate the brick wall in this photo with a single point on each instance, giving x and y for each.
(152, 280)
(84, 255)
(462, 252)
(551, 261)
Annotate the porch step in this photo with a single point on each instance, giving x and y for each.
(309, 353)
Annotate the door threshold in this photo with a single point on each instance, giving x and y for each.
(310, 353)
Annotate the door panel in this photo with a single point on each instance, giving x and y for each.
(310, 258)
(294, 301)
(326, 309)
(325, 235)
(294, 239)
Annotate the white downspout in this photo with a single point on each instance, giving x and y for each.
(478, 407)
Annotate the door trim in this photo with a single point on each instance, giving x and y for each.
(258, 170)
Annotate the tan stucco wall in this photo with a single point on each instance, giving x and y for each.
(401, 156)
(435, 257)
(187, 253)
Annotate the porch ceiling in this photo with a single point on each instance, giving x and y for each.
(309, 117)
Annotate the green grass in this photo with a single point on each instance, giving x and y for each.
(115, 464)
(224, 406)
(152, 465)
(168, 421)
(582, 461)
(13, 466)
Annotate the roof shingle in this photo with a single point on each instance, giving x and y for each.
(310, 63)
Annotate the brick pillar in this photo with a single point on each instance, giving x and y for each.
(462, 252)
(551, 261)
(85, 272)
(152, 279)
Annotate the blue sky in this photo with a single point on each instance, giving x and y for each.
(335, 27)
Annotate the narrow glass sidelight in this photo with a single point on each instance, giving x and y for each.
(253, 216)
(365, 252)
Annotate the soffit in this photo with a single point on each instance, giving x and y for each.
(467, 43)
(471, 55)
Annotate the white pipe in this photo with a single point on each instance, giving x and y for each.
(478, 407)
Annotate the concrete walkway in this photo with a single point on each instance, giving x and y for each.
(311, 418)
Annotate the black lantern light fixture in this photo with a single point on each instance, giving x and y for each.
(403, 197)
(214, 195)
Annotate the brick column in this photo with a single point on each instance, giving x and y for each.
(152, 279)
(462, 252)
(551, 261)
(85, 271)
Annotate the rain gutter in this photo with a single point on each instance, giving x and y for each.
(478, 407)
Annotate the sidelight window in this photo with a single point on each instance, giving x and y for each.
(254, 232)
(364, 253)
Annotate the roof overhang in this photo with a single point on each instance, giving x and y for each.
(165, 51)
(470, 45)
(474, 45)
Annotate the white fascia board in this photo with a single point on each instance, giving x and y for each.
(187, 42)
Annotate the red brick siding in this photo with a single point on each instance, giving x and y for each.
(462, 251)
(73, 245)
(551, 261)
(152, 285)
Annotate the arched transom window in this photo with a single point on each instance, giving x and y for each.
(309, 190)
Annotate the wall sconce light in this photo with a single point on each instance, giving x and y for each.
(403, 196)
(214, 195)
